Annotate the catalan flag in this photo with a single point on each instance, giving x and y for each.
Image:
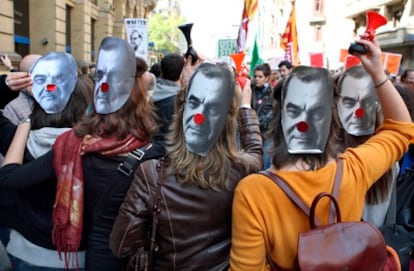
(249, 10)
(289, 41)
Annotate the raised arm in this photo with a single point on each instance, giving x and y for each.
(393, 106)
(15, 153)
(250, 137)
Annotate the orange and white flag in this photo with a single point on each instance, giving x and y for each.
(289, 41)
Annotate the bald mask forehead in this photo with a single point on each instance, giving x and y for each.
(358, 105)
(54, 78)
(306, 116)
(115, 75)
(207, 104)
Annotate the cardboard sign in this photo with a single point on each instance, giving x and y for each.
(316, 60)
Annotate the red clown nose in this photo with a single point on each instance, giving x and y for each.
(51, 87)
(302, 126)
(199, 118)
(359, 113)
(105, 87)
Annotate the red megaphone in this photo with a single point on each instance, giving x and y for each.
(374, 20)
(238, 60)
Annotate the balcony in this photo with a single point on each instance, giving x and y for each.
(316, 20)
(357, 7)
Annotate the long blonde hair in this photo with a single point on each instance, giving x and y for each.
(213, 170)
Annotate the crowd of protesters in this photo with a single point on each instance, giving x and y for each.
(92, 157)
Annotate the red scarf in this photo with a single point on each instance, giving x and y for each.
(68, 210)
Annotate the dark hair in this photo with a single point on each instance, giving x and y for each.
(171, 66)
(156, 69)
(405, 73)
(74, 111)
(285, 63)
(280, 153)
(265, 69)
(408, 97)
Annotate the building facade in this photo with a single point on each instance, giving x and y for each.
(395, 37)
(75, 26)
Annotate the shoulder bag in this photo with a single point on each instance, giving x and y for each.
(143, 259)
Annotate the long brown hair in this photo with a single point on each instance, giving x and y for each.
(213, 170)
(135, 117)
(378, 192)
(280, 153)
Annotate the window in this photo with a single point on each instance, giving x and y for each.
(318, 7)
(21, 27)
(68, 29)
(93, 25)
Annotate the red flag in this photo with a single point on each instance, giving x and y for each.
(316, 60)
(249, 10)
(351, 60)
(289, 41)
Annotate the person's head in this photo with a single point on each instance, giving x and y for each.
(408, 97)
(357, 103)
(92, 70)
(285, 67)
(274, 75)
(135, 39)
(27, 62)
(171, 67)
(54, 78)
(304, 126)
(135, 115)
(74, 111)
(113, 82)
(149, 80)
(307, 110)
(260, 75)
(213, 100)
(407, 79)
(207, 103)
(156, 69)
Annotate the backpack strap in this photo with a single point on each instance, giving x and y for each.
(298, 201)
(127, 167)
(134, 157)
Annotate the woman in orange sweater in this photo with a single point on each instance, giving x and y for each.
(264, 218)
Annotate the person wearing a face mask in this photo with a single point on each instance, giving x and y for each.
(202, 166)
(90, 161)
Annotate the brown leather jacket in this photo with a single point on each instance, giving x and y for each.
(194, 229)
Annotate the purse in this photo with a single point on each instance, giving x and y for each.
(336, 246)
(143, 259)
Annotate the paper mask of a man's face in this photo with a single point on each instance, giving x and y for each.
(54, 78)
(208, 101)
(357, 105)
(115, 75)
(306, 116)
